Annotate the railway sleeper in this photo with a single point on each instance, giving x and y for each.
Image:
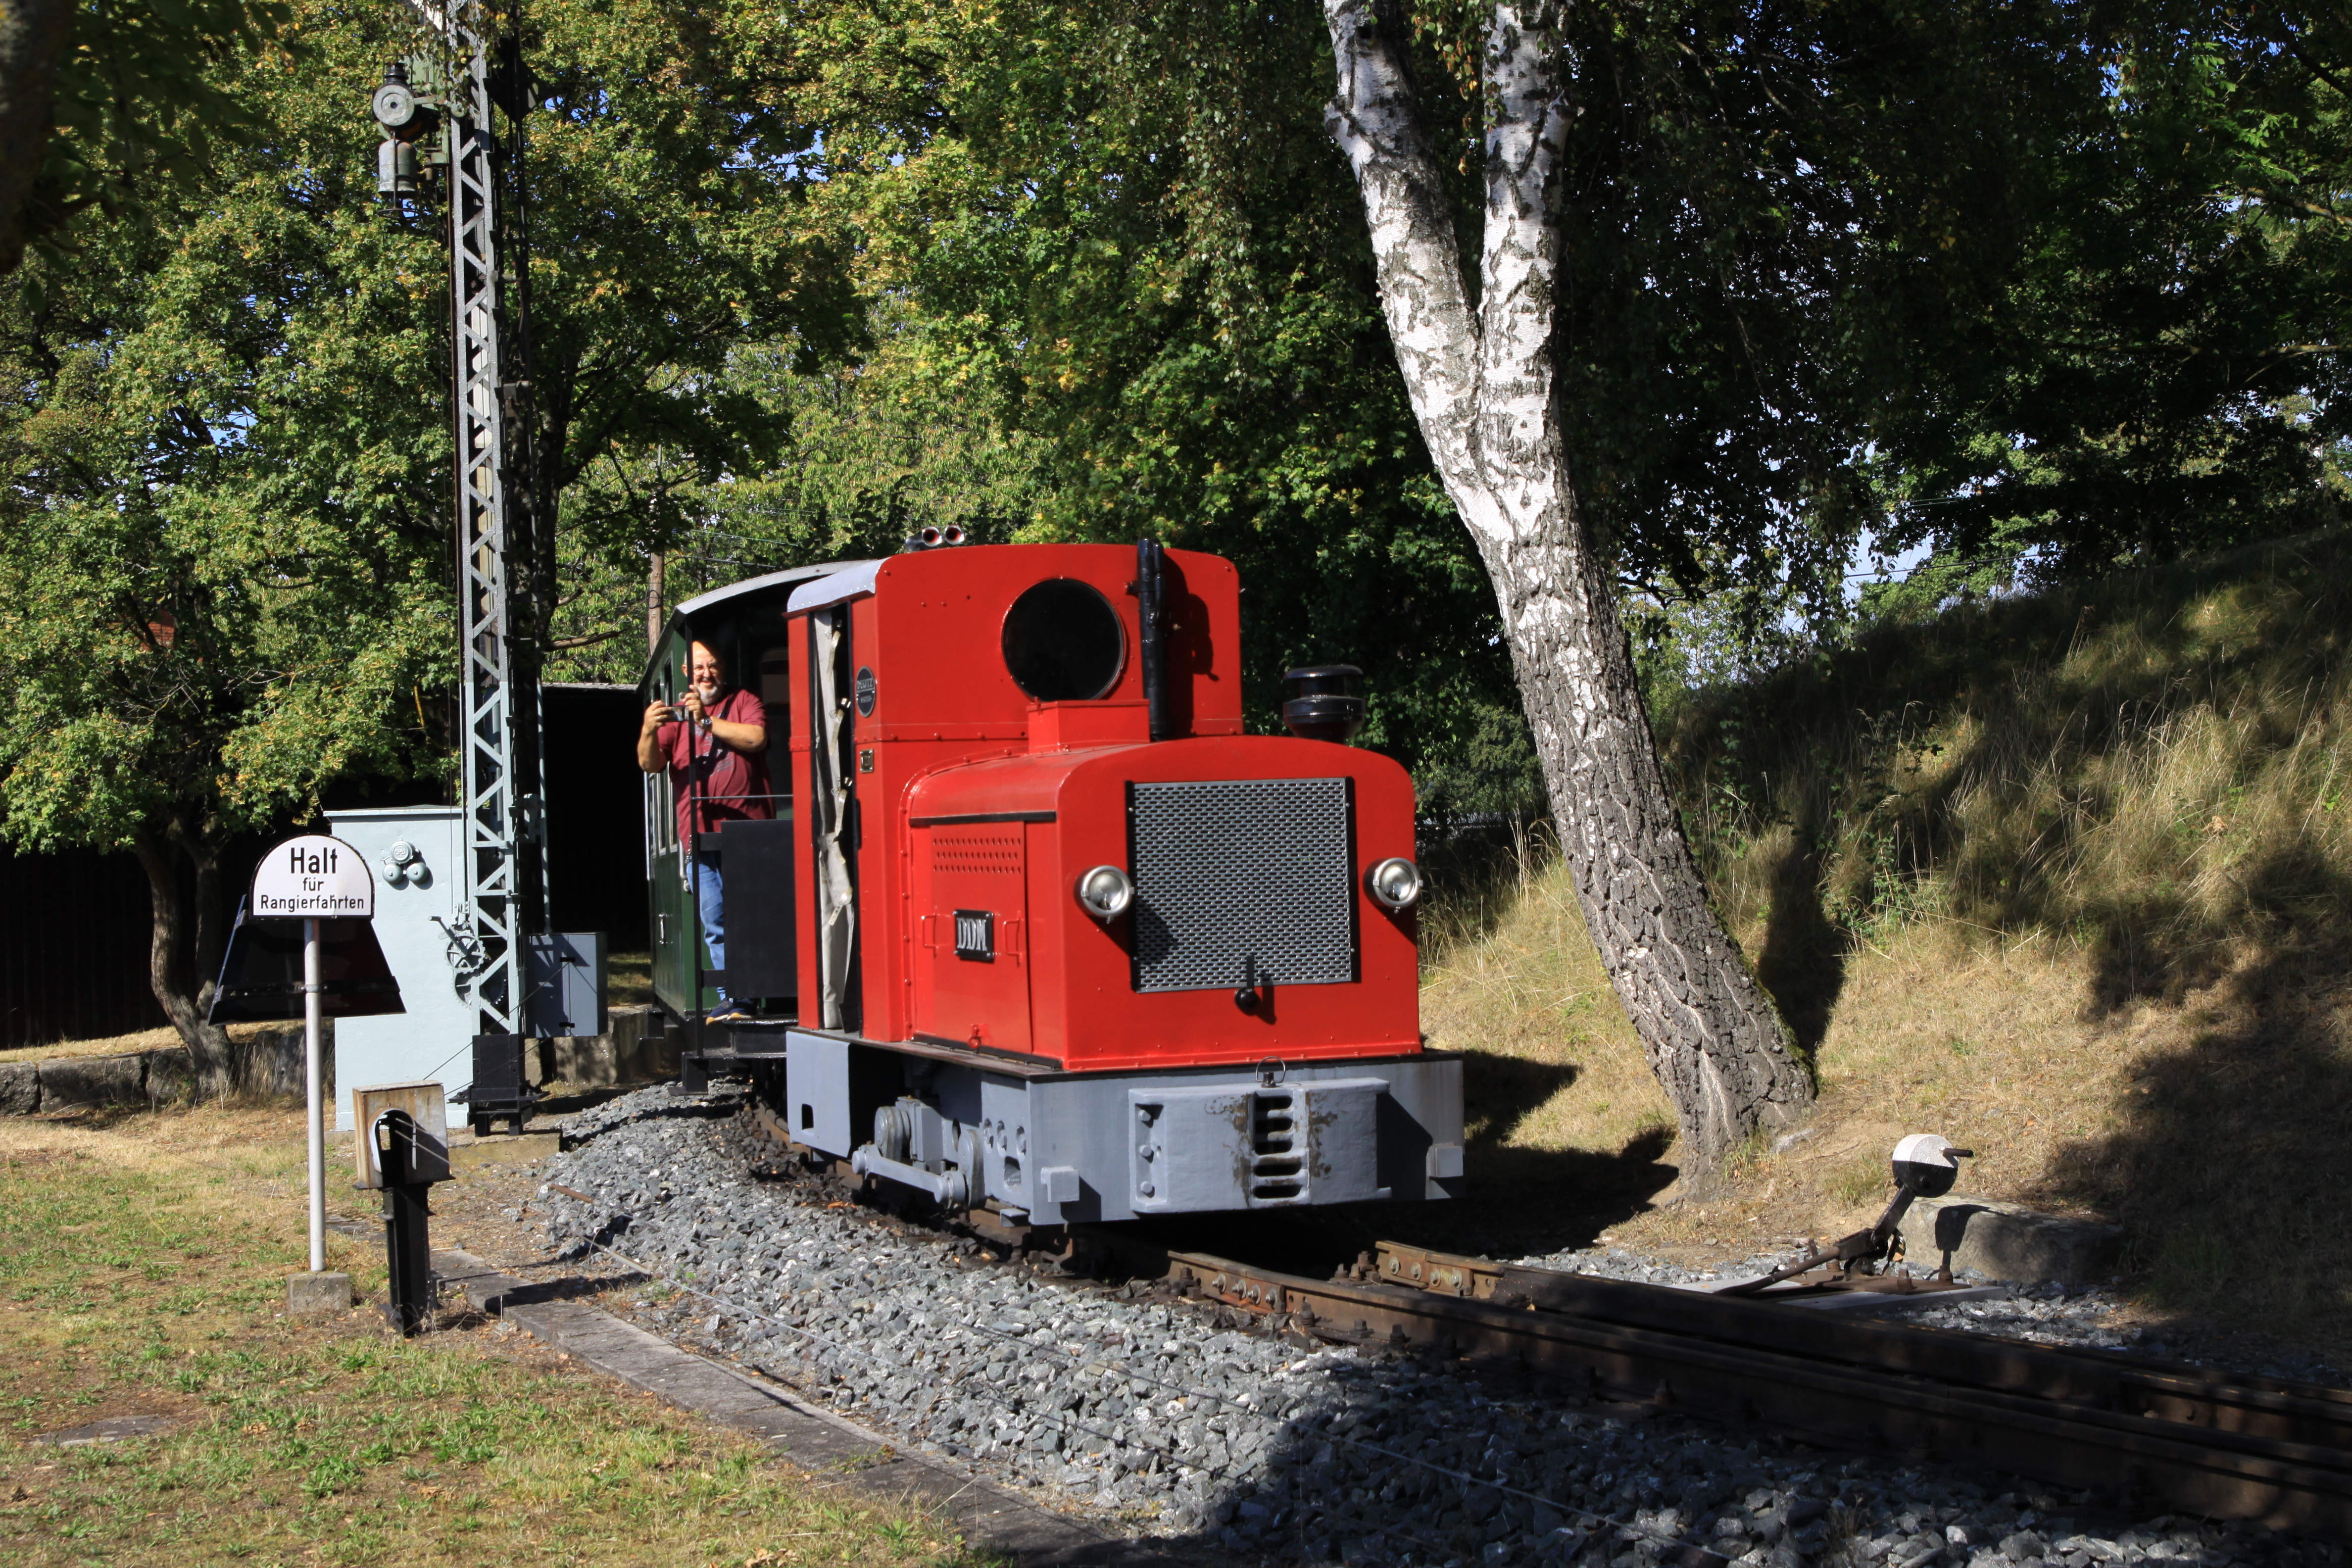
(2071, 1418)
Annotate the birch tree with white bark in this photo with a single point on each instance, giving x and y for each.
(1477, 353)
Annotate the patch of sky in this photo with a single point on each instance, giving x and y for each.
(1869, 564)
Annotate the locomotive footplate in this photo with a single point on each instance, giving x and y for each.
(749, 1042)
(729, 1050)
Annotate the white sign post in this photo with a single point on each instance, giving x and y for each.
(311, 879)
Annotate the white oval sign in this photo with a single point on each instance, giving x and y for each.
(313, 878)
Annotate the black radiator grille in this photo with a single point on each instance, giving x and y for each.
(1241, 881)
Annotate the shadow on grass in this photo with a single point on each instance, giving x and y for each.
(1499, 1092)
(2149, 943)
(2149, 765)
(1516, 1201)
(2226, 1149)
(1803, 961)
(2081, 759)
(1476, 874)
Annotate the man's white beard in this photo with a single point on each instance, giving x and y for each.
(708, 693)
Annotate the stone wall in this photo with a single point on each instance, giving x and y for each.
(273, 1066)
(635, 1049)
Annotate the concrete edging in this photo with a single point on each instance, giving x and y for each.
(634, 1049)
(840, 1452)
(2009, 1241)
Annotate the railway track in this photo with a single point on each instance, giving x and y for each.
(2139, 1433)
(2271, 1452)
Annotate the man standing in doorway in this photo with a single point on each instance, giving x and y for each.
(715, 745)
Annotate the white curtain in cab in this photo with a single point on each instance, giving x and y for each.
(836, 898)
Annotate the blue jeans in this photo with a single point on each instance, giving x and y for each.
(710, 902)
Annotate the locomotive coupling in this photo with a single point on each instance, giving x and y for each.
(947, 1188)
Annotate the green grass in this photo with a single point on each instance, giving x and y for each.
(628, 979)
(2151, 765)
(140, 1272)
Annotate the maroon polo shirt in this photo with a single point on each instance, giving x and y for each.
(712, 781)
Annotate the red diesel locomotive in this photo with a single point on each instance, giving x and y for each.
(1034, 926)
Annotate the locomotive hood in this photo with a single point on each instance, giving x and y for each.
(1250, 935)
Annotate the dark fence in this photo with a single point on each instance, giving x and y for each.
(74, 927)
(73, 948)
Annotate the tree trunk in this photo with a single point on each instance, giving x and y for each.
(33, 39)
(1481, 382)
(656, 616)
(212, 922)
(184, 1003)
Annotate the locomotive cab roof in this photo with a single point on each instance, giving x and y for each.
(723, 605)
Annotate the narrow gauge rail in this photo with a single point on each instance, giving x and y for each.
(2275, 1453)
(2262, 1449)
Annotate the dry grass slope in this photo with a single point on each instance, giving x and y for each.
(2065, 877)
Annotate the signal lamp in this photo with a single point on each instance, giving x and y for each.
(393, 104)
(1926, 1165)
(1105, 892)
(1394, 883)
(395, 107)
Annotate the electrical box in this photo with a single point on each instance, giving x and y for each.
(567, 983)
(417, 852)
(428, 1108)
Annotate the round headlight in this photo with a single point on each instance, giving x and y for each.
(1394, 883)
(1105, 892)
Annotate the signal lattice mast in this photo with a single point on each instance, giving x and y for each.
(502, 816)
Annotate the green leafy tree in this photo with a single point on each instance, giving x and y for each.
(224, 458)
(1137, 225)
(2162, 370)
(867, 452)
(669, 169)
(104, 109)
(1131, 228)
(1123, 237)
(220, 554)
